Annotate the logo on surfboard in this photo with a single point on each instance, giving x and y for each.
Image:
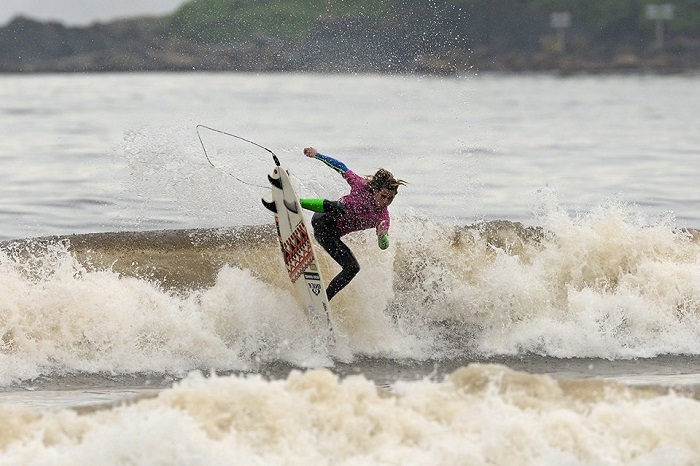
(297, 252)
(315, 288)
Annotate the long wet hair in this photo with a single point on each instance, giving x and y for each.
(383, 179)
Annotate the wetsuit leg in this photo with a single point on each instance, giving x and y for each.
(328, 236)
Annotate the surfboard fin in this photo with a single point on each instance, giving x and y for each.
(276, 182)
(291, 207)
(269, 205)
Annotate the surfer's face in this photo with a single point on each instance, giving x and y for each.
(383, 197)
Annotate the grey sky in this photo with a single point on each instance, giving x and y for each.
(83, 12)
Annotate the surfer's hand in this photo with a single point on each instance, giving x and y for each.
(310, 152)
(383, 241)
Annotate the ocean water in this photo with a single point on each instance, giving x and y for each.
(540, 302)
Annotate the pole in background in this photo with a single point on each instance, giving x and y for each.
(659, 13)
(560, 21)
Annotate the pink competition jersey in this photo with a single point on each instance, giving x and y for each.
(361, 211)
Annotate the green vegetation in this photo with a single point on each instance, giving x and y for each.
(212, 21)
(240, 20)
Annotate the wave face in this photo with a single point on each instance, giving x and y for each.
(603, 286)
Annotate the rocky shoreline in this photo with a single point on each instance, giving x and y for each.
(144, 44)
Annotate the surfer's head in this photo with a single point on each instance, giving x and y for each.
(384, 187)
(384, 179)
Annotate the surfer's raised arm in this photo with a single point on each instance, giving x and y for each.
(365, 207)
(336, 165)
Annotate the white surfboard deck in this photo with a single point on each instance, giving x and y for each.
(298, 251)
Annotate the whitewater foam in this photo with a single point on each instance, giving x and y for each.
(481, 414)
(601, 286)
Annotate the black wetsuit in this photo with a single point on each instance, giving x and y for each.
(327, 234)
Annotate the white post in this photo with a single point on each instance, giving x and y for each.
(659, 13)
(559, 21)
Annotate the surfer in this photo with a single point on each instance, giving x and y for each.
(365, 207)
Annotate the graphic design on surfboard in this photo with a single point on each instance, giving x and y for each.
(297, 249)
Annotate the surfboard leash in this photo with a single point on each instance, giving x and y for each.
(274, 156)
(201, 141)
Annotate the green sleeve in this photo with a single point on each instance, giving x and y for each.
(383, 241)
(315, 205)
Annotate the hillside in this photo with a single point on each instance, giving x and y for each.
(366, 36)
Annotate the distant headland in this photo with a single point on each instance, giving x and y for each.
(429, 37)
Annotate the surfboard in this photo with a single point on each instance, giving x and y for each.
(297, 249)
